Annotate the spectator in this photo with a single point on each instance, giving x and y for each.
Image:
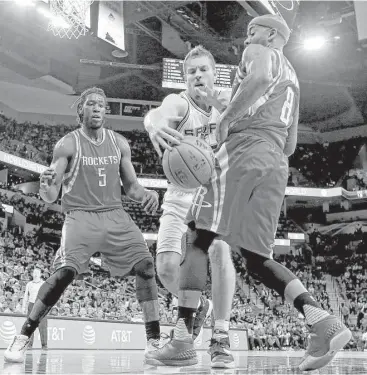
(29, 299)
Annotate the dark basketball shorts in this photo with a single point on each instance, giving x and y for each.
(242, 202)
(112, 233)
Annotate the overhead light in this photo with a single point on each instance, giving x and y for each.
(314, 43)
(337, 37)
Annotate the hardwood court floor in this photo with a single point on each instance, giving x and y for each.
(132, 362)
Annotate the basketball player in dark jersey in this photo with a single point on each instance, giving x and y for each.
(90, 163)
(257, 132)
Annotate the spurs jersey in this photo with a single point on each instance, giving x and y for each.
(198, 123)
(93, 182)
(272, 114)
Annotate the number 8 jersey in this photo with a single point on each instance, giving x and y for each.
(92, 181)
(272, 114)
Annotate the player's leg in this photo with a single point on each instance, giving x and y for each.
(223, 288)
(72, 258)
(147, 295)
(126, 252)
(169, 253)
(259, 225)
(171, 230)
(193, 276)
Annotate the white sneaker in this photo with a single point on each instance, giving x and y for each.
(152, 345)
(16, 350)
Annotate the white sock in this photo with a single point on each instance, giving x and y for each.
(314, 314)
(180, 330)
(222, 326)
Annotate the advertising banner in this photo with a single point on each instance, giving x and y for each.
(64, 333)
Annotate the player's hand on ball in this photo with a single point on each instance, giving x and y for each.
(150, 202)
(165, 136)
(47, 178)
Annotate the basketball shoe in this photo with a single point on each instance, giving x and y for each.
(17, 349)
(155, 344)
(174, 353)
(220, 352)
(327, 337)
(204, 310)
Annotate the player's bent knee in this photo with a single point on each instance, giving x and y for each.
(168, 266)
(55, 285)
(145, 268)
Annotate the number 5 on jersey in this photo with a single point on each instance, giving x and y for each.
(287, 110)
(102, 177)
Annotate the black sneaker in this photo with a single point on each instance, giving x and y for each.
(220, 351)
(204, 310)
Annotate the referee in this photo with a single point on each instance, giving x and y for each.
(31, 291)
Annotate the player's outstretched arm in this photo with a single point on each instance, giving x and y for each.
(51, 178)
(148, 198)
(161, 123)
(258, 62)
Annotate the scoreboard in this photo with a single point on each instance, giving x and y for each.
(173, 75)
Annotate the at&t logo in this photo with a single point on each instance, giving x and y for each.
(89, 335)
(7, 331)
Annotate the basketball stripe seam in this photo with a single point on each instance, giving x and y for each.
(188, 166)
(171, 172)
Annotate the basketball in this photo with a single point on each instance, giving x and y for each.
(190, 164)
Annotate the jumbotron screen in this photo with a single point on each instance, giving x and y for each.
(173, 75)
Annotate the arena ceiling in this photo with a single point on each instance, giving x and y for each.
(333, 80)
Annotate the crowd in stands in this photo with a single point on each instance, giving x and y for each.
(322, 165)
(326, 164)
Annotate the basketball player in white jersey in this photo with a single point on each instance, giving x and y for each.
(193, 112)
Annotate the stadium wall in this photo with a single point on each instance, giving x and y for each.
(71, 333)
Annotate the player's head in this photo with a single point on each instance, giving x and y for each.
(268, 30)
(199, 69)
(91, 108)
(36, 274)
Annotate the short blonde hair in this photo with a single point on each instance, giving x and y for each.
(198, 51)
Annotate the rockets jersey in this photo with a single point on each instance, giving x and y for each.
(93, 182)
(197, 123)
(272, 114)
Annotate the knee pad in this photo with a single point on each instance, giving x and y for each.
(145, 268)
(52, 289)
